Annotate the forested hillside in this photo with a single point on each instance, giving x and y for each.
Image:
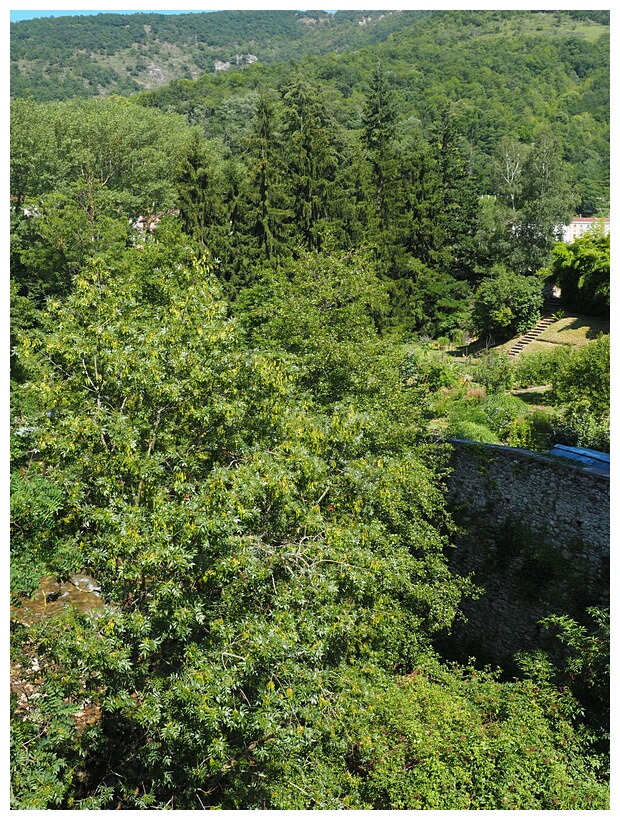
(231, 303)
(57, 58)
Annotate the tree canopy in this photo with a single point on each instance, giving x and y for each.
(230, 534)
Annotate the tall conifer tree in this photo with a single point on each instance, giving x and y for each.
(379, 129)
(312, 160)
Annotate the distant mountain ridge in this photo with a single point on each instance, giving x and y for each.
(54, 58)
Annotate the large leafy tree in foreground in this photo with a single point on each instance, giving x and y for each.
(270, 572)
(254, 553)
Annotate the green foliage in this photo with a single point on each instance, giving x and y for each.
(494, 370)
(347, 157)
(540, 367)
(254, 554)
(99, 145)
(56, 58)
(310, 134)
(428, 369)
(582, 270)
(541, 431)
(580, 380)
(499, 418)
(585, 667)
(506, 303)
(428, 301)
(547, 203)
(450, 738)
(379, 129)
(95, 166)
(578, 426)
(501, 410)
(585, 377)
(200, 200)
(252, 484)
(555, 67)
(472, 431)
(322, 310)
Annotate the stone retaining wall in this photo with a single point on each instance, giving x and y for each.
(535, 533)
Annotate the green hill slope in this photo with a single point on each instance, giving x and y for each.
(503, 73)
(57, 58)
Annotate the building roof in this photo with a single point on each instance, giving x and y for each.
(592, 460)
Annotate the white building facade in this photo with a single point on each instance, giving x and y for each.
(581, 225)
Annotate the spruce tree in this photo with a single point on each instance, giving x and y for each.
(312, 160)
(199, 196)
(379, 130)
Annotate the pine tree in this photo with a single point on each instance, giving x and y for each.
(458, 200)
(199, 196)
(379, 130)
(267, 213)
(312, 160)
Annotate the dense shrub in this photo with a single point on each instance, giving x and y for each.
(577, 426)
(540, 367)
(585, 375)
(494, 370)
(516, 753)
(501, 410)
(428, 368)
(506, 303)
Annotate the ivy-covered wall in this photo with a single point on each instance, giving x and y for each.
(535, 532)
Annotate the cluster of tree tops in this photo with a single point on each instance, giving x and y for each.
(213, 421)
(277, 175)
(506, 72)
(270, 35)
(59, 58)
(259, 502)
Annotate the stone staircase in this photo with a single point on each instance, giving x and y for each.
(552, 305)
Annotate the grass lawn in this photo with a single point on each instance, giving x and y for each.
(574, 330)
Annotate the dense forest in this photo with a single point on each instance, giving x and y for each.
(57, 58)
(246, 311)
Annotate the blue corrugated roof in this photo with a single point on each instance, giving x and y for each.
(591, 459)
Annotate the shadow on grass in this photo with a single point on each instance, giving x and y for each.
(542, 397)
(593, 324)
(472, 349)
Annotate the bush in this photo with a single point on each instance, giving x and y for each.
(501, 410)
(585, 375)
(540, 367)
(579, 427)
(471, 431)
(518, 433)
(494, 370)
(429, 369)
(457, 336)
(456, 738)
